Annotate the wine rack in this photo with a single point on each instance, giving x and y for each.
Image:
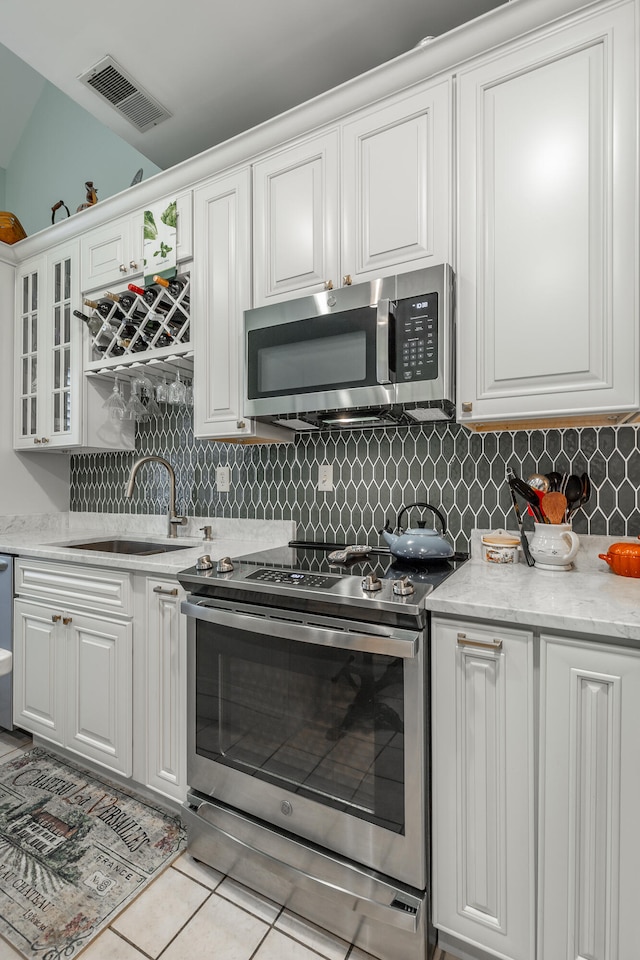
(141, 334)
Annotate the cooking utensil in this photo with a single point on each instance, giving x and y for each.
(623, 558)
(528, 494)
(554, 506)
(539, 482)
(523, 536)
(584, 495)
(555, 479)
(418, 543)
(573, 492)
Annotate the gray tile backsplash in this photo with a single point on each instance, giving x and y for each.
(375, 473)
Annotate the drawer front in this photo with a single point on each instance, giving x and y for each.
(73, 585)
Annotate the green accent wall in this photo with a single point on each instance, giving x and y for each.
(61, 147)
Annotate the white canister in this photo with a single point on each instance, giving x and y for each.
(553, 546)
(500, 547)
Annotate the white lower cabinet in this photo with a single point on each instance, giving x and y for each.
(73, 660)
(166, 708)
(590, 789)
(483, 790)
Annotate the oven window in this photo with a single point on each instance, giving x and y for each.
(306, 356)
(317, 721)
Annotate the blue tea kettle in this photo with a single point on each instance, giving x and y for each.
(418, 543)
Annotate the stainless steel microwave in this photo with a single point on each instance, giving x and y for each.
(365, 355)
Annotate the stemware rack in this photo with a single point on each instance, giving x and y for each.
(121, 348)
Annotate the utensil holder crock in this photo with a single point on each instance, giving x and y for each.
(554, 546)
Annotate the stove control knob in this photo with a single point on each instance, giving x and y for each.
(224, 565)
(204, 562)
(403, 587)
(371, 583)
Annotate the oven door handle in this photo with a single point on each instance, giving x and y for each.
(389, 644)
(404, 919)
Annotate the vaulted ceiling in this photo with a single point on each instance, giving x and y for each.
(217, 68)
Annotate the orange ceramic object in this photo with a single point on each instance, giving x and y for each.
(623, 558)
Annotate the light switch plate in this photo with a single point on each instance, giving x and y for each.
(223, 479)
(325, 476)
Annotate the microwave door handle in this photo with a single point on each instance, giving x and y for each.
(386, 644)
(383, 373)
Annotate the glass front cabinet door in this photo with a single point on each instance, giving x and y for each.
(49, 352)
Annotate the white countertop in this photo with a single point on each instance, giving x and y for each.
(589, 599)
(36, 537)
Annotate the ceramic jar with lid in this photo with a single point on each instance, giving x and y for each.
(500, 547)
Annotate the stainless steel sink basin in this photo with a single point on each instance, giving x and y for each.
(138, 548)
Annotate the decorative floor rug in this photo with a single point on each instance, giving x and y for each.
(74, 851)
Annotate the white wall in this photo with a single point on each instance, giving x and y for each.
(61, 147)
(29, 483)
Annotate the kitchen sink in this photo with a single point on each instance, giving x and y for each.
(139, 548)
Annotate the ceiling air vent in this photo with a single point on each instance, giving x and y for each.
(109, 80)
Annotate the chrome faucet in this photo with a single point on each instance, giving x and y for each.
(174, 521)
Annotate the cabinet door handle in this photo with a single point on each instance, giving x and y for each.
(44, 440)
(464, 641)
(167, 593)
(67, 621)
(346, 280)
(37, 440)
(328, 284)
(122, 268)
(133, 264)
(56, 617)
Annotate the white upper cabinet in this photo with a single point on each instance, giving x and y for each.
(296, 220)
(396, 162)
(54, 410)
(113, 253)
(222, 290)
(368, 199)
(547, 212)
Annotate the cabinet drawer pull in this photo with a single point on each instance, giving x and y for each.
(464, 641)
(67, 621)
(56, 617)
(167, 593)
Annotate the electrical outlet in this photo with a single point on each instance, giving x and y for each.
(223, 479)
(325, 476)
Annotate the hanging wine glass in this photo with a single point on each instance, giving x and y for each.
(177, 391)
(115, 402)
(135, 409)
(161, 391)
(152, 407)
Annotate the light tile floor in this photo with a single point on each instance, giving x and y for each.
(191, 912)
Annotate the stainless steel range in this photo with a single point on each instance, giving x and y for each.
(308, 751)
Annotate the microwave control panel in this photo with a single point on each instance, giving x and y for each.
(417, 338)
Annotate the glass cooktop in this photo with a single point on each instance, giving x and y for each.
(316, 558)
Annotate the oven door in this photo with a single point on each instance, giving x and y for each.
(323, 361)
(315, 726)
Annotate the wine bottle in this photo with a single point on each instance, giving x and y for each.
(126, 301)
(95, 324)
(175, 288)
(105, 308)
(173, 316)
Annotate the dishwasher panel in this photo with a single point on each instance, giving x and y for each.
(6, 639)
